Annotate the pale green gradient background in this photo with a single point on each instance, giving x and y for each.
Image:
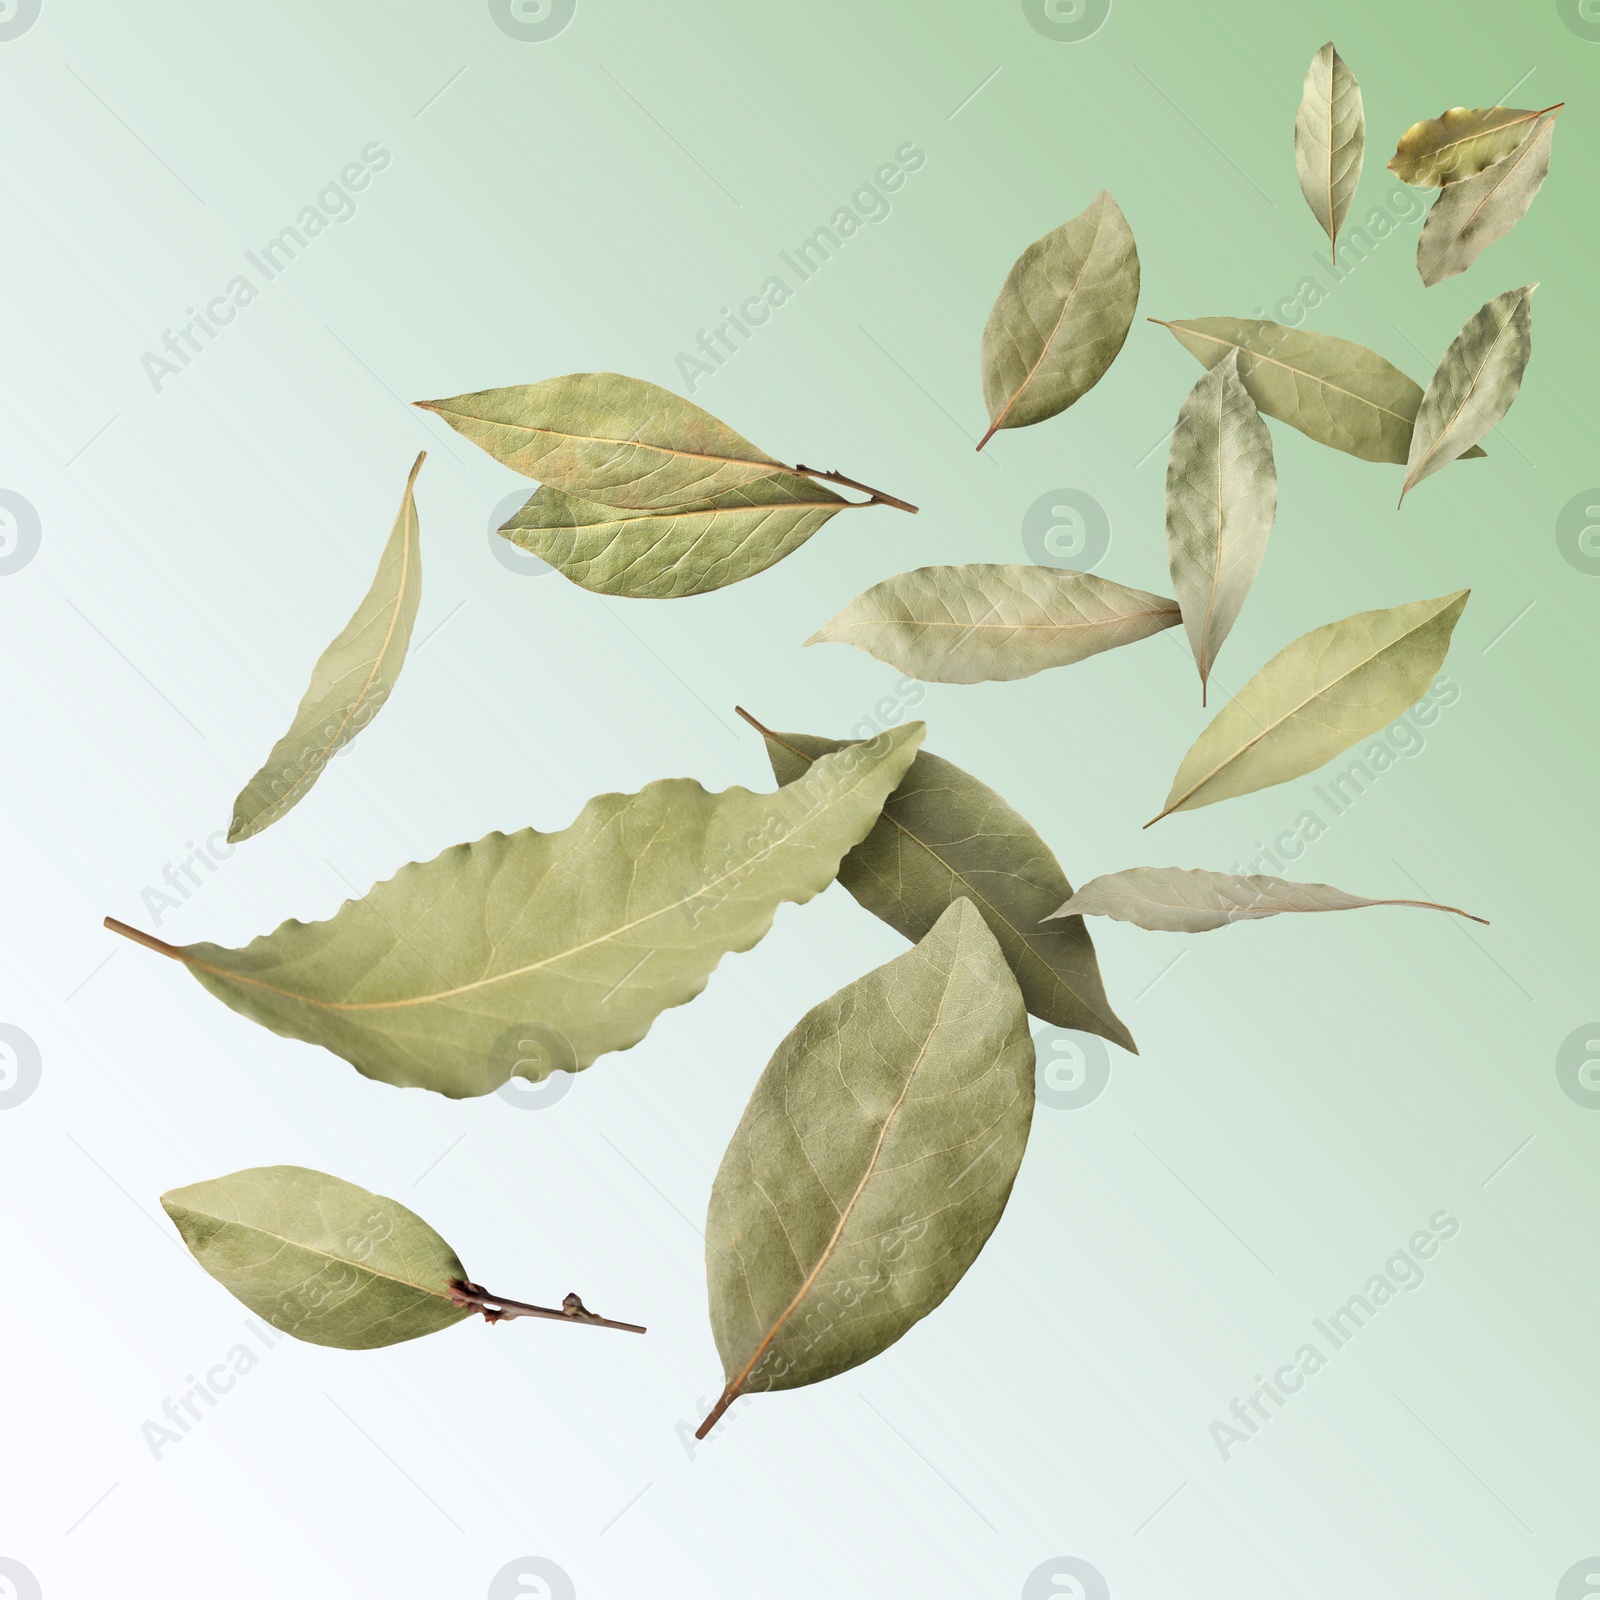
(1310, 1091)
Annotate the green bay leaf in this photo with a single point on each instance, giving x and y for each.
(981, 623)
(1330, 135)
(1316, 697)
(349, 684)
(872, 1163)
(1459, 143)
(533, 952)
(946, 836)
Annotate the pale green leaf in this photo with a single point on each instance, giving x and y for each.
(1476, 382)
(349, 684)
(440, 977)
(1459, 144)
(1062, 315)
(1222, 496)
(1471, 215)
(979, 623)
(944, 836)
(319, 1258)
(1338, 393)
(1330, 136)
(1181, 900)
(872, 1163)
(1316, 697)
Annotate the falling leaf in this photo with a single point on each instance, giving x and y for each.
(979, 623)
(871, 1165)
(1062, 315)
(1459, 144)
(1476, 382)
(1330, 137)
(945, 836)
(1178, 900)
(577, 940)
(1316, 697)
(1222, 496)
(662, 555)
(1471, 215)
(349, 684)
(1338, 393)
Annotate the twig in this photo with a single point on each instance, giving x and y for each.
(494, 1308)
(879, 498)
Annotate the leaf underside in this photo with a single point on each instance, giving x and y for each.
(1471, 215)
(1330, 132)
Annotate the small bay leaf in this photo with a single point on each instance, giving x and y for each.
(1471, 215)
(1341, 394)
(944, 835)
(1061, 317)
(1459, 144)
(872, 1163)
(440, 977)
(349, 684)
(1476, 382)
(320, 1258)
(981, 623)
(1330, 136)
(1316, 697)
(1181, 900)
(1222, 496)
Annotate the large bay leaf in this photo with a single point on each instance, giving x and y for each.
(1182, 900)
(661, 555)
(1061, 317)
(440, 977)
(1330, 137)
(944, 836)
(1459, 143)
(320, 1258)
(1471, 215)
(979, 623)
(1476, 382)
(1338, 393)
(349, 684)
(872, 1163)
(1316, 697)
(1222, 496)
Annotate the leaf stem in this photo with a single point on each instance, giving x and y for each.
(495, 1308)
(879, 498)
(729, 1395)
(994, 428)
(148, 940)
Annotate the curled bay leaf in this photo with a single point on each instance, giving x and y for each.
(1222, 496)
(1471, 215)
(533, 952)
(660, 555)
(1330, 135)
(1316, 697)
(1182, 900)
(871, 1165)
(982, 622)
(1338, 393)
(349, 684)
(1061, 317)
(1476, 382)
(1459, 143)
(944, 836)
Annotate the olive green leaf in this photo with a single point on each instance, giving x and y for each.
(320, 1258)
(1062, 315)
(1476, 382)
(662, 555)
(440, 977)
(871, 1165)
(979, 623)
(1471, 215)
(1338, 393)
(1222, 496)
(1316, 697)
(945, 836)
(1459, 144)
(1179, 900)
(1330, 139)
(349, 684)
